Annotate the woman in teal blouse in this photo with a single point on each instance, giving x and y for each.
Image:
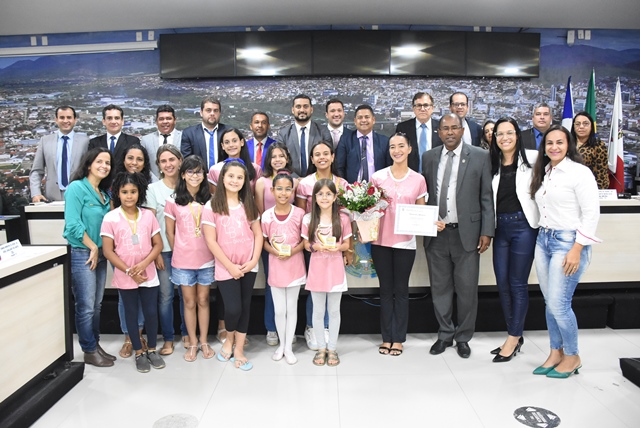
(86, 203)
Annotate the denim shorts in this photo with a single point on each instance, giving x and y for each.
(191, 277)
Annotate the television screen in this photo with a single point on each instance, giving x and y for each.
(281, 53)
(427, 53)
(503, 54)
(196, 55)
(359, 53)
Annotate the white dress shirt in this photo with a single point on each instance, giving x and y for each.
(568, 200)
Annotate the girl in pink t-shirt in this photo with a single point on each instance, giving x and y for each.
(326, 233)
(232, 232)
(392, 254)
(281, 227)
(233, 145)
(192, 262)
(131, 241)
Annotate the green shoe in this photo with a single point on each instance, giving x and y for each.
(543, 370)
(563, 375)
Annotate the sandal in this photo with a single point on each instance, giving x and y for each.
(222, 356)
(383, 350)
(126, 350)
(242, 364)
(220, 339)
(208, 353)
(191, 355)
(320, 359)
(395, 352)
(167, 348)
(333, 359)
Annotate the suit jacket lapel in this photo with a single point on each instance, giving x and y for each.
(462, 166)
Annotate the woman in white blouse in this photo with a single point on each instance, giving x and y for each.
(566, 193)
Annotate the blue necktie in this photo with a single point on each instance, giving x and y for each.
(65, 157)
(422, 144)
(212, 152)
(303, 153)
(112, 146)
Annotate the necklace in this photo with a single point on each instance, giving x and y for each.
(135, 239)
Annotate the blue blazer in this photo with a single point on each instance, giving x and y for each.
(250, 145)
(348, 156)
(475, 130)
(193, 143)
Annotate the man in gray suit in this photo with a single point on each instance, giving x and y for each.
(301, 135)
(166, 134)
(459, 182)
(57, 157)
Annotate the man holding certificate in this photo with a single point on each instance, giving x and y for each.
(459, 181)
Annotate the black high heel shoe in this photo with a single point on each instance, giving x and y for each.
(498, 349)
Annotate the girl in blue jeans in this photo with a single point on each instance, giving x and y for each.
(566, 193)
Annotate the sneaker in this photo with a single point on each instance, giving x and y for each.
(156, 360)
(272, 338)
(142, 363)
(308, 336)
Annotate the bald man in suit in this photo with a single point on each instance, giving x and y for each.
(57, 157)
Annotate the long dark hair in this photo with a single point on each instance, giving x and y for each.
(592, 141)
(312, 167)
(496, 154)
(543, 159)
(146, 169)
(268, 169)
(336, 225)
(483, 137)
(85, 166)
(219, 201)
(124, 178)
(244, 152)
(183, 197)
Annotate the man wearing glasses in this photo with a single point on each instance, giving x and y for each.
(422, 130)
(459, 105)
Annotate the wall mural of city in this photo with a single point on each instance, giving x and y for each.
(31, 88)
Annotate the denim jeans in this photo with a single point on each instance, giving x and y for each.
(165, 298)
(269, 311)
(88, 288)
(557, 288)
(513, 249)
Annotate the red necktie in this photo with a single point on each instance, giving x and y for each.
(259, 153)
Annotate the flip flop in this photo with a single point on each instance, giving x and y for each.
(244, 367)
(223, 357)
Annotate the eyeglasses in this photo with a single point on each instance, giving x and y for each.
(327, 195)
(283, 189)
(191, 173)
(509, 133)
(459, 104)
(581, 124)
(422, 106)
(453, 128)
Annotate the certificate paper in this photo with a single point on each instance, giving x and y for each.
(416, 220)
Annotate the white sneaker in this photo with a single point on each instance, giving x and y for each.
(272, 338)
(308, 336)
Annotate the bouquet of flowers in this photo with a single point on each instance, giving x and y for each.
(366, 204)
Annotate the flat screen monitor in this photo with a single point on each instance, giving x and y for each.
(344, 53)
(281, 53)
(196, 55)
(503, 54)
(427, 53)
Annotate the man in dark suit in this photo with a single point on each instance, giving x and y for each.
(261, 141)
(202, 139)
(459, 182)
(422, 130)
(362, 152)
(334, 112)
(542, 118)
(166, 134)
(459, 105)
(57, 157)
(302, 134)
(115, 140)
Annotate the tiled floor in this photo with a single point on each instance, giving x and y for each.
(365, 390)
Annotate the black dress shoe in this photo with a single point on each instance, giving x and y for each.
(502, 359)
(498, 349)
(103, 353)
(95, 359)
(463, 349)
(439, 347)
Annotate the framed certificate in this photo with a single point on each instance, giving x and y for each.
(416, 220)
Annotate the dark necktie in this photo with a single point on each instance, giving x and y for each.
(112, 146)
(212, 153)
(165, 138)
(446, 178)
(65, 158)
(364, 163)
(303, 152)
